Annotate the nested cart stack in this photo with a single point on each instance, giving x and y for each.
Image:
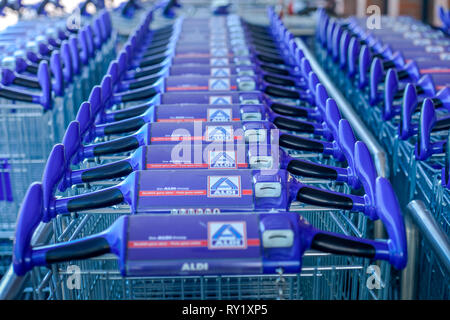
(46, 72)
(398, 80)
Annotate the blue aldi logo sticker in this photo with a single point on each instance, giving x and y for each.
(434, 49)
(222, 160)
(422, 42)
(218, 36)
(219, 115)
(222, 84)
(218, 62)
(445, 56)
(218, 42)
(219, 52)
(219, 133)
(220, 72)
(224, 186)
(220, 100)
(227, 235)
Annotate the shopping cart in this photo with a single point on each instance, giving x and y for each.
(428, 247)
(100, 279)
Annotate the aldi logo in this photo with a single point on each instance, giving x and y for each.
(227, 235)
(442, 42)
(445, 56)
(411, 35)
(219, 133)
(220, 100)
(218, 37)
(217, 62)
(434, 49)
(218, 43)
(219, 84)
(422, 42)
(218, 52)
(222, 160)
(224, 186)
(220, 72)
(219, 115)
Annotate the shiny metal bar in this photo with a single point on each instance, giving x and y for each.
(420, 223)
(409, 276)
(11, 285)
(431, 231)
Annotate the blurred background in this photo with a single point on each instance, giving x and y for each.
(11, 10)
(425, 10)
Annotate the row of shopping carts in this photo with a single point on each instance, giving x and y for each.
(210, 163)
(398, 79)
(47, 71)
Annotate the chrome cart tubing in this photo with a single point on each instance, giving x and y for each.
(348, 112)
(12, 285)
(431, 231)
(422, 224)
